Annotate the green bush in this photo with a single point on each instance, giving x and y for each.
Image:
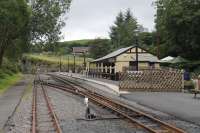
(2, 74)
(10, 66)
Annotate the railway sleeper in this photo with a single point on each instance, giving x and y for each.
(165, 128)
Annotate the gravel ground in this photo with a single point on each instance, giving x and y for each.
(187, 126)
(44, 119)
(71, 110)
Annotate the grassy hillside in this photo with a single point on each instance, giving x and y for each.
(83, 42)
(53, 59)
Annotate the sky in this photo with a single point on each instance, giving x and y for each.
(89, 19)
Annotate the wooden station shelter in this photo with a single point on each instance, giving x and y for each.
(133, 58)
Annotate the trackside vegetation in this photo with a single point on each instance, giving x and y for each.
(9, 75)
(7, 80)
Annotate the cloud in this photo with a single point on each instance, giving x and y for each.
(92, 18)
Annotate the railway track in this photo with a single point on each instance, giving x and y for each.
(44, 118)
(147, 122)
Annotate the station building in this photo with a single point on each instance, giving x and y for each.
(124, 59)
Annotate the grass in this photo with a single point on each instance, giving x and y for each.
(9, 80)
(56, 59)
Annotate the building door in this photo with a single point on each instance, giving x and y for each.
(132, 66)
(152, 65)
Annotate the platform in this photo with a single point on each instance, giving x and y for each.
(181, 105)
(109, 84)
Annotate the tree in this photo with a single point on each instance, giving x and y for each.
(124, 30)
(130, 29)
(38, 22)
(14, 52)
(147, 38)
(14, 20)
(116, 31)
(99, 48)
(46, 20)
(178, 23)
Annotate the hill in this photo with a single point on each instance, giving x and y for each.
(84, 42)
(55, 59)
(81, 42)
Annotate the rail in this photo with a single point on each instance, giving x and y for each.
(144, 120)
(49, 106)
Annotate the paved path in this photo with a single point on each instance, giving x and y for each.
(10, 99)
(181, 105)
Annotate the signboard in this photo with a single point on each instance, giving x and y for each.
(80, 50)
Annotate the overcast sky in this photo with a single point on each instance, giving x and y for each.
(90, 19)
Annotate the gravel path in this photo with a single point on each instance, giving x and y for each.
(11, 99)
(21, 120)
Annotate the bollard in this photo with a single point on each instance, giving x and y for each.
(86, 101)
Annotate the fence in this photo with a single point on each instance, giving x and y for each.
(195, 75)
(104, 73)
(153, 80)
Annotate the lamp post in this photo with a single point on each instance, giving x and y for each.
(84, 62)
(158, 44)
(68, 63)
(60, 64)
(136, 50)
(74, 63)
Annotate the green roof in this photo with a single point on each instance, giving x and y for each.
(179, 59)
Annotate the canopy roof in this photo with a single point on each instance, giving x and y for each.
(179, 59)
(167, 59)
(141, 57)
(114, 54)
